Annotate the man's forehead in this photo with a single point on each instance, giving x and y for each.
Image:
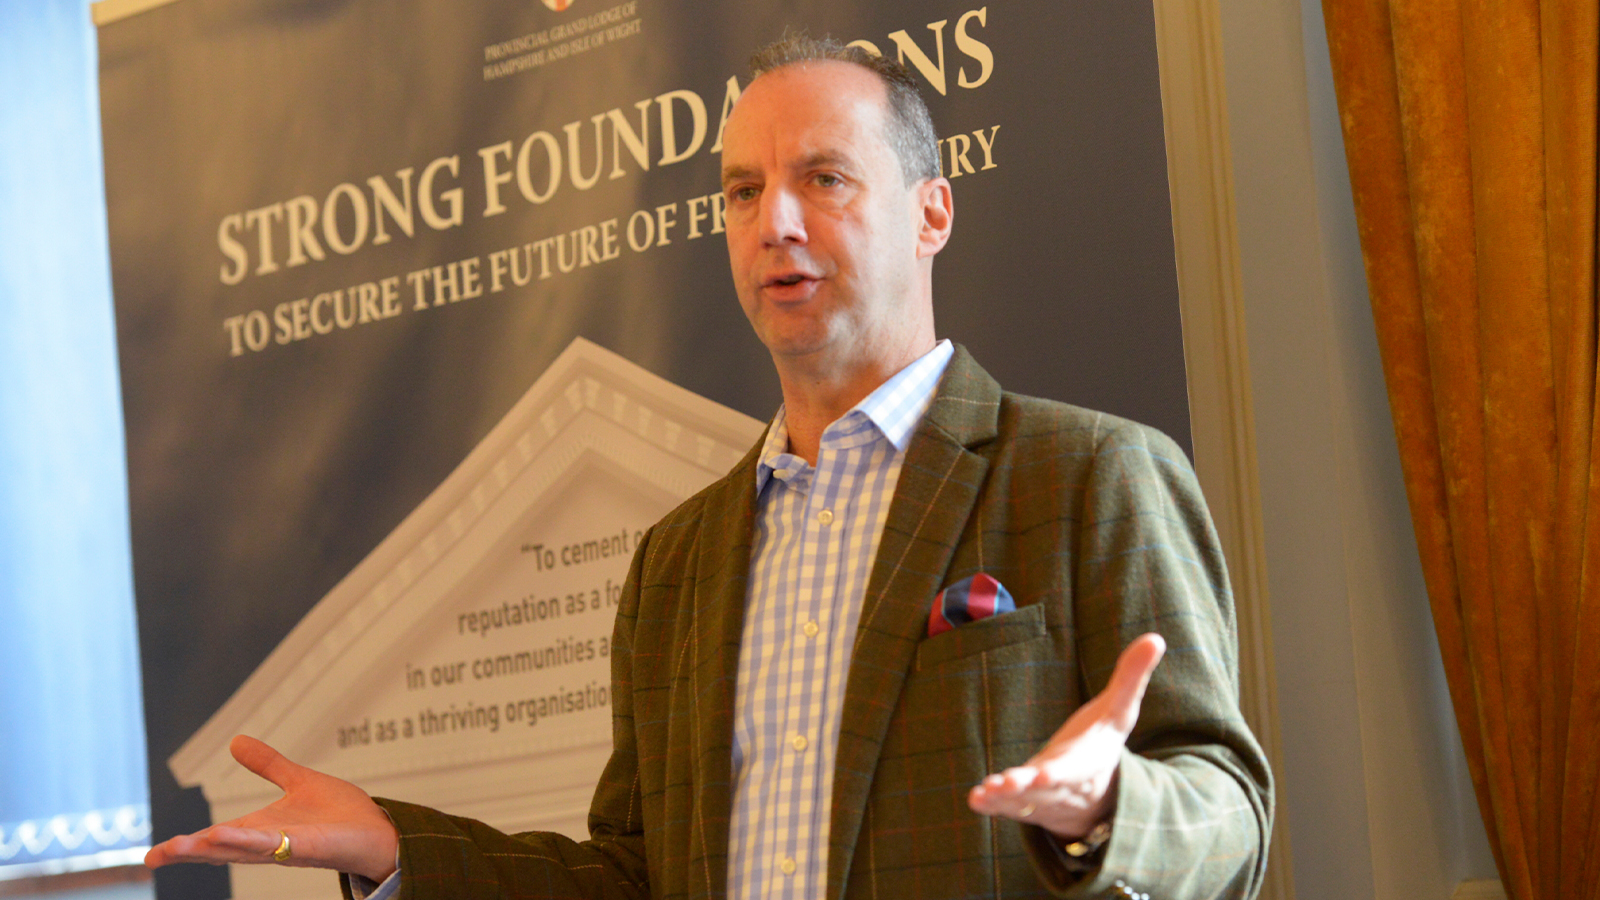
(817, 112)
(826, 84)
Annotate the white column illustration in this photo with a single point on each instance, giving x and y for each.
(464, 663)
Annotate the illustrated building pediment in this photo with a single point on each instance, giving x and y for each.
(465, 662)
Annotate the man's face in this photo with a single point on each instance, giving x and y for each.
(825, 239)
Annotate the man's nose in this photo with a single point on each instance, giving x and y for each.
(782, 218)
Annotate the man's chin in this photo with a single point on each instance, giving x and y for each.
(796, 350)
(794, 336)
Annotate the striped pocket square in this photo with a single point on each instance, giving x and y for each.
(968, 600)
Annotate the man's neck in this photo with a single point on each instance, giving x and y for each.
(813, 399)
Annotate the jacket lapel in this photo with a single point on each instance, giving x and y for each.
(940, 482)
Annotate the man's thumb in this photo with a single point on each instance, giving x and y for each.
(1132, 676)
(261, 759)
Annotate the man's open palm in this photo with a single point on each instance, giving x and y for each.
(331, 823)
(1070, 785)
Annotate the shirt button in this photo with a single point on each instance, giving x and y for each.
(811, 629)
(825, 517)
(787, 865)
(798, 742)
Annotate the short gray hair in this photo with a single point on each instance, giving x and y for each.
(909, 130)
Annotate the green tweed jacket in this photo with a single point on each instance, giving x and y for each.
(1097, 528)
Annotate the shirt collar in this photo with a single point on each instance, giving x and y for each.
(895, 408)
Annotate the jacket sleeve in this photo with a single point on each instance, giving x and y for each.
(1194, 806)
(444, 857)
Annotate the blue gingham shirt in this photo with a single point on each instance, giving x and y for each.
(816, 537)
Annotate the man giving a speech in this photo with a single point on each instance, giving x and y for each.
(910, 583)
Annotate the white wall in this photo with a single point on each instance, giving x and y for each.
(1378, 800)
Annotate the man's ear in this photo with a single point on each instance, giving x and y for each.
(938, 213)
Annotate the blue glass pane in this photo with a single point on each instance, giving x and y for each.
(72, 760)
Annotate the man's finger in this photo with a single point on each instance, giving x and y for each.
(218, 844)
(159, 855)
(1134, 667)
(261, 759)
(248, 841)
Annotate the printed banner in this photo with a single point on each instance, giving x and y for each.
(424, 314)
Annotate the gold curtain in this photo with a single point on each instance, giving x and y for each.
(1470, 132)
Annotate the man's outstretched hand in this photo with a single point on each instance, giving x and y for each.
(331, 823)
(1070, 785)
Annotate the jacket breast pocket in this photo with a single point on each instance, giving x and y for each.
(981, 697)
(1023, 624)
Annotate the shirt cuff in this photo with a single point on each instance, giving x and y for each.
(363, 888)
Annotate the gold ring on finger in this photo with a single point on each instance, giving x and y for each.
(283, 852)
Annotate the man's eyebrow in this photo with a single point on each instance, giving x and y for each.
(823, 159)
(820, 160)
(734, 173)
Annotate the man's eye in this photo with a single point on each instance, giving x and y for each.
(826, 180)
(742, 194)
